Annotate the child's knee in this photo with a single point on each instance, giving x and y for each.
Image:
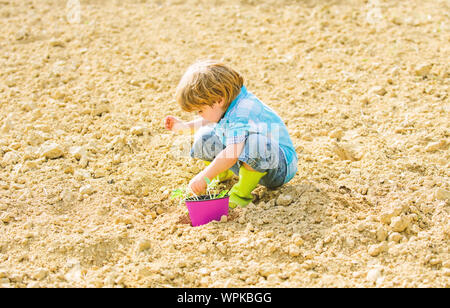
(202, 148)
(206, 146)
(205, 131)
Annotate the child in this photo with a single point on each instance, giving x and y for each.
(238, 132)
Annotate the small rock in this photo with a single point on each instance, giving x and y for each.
(203, 271)
(203, 249)
(381, 234)
(68, 169)
(308, 264)
(284, 200)
(362, 226)
(84, 162)
(375, 250)
(33, 285)
(117, 159)
(119, 280)
(434, 261)
(77, 152)
(293, 250)
(297, 239)
(442, 194)
(138, 130)
(56, 43)
(6, 217)
(373, 275)
(347, 151)
(7, 125)
(268, 269)
(115, 201)
(28, 106)
(135, 82)
(82, 174)
(153, 214)
(434, 146)
(396, 20)
(446, 272)
(124, 219)
(3, 273)
(58, 93)
(109, 280)
(222, 247)
(395, 237)
(337, 133)
(87, 189)
(378, 90)
(386, 216)
(223, 218)
(74, 274)
(4, 281)
(150, 85)
(40, 274)
(10, 158)
(423, 69)
(143, 245)
(66, 195)
(307, 137)
(144, 271)
(399, 224)
(51, 151)
(100, 109)
(11, 82)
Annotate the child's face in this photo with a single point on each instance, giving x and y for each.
(212, 113)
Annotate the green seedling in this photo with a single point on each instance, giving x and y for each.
(211, 186)
(211, 189)
(185, 193)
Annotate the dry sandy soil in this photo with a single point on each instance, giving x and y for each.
(86, 167)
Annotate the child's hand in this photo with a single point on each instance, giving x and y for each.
(174, 124)
(198, 184)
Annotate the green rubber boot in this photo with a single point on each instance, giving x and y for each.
(223, 176)
(241, 192)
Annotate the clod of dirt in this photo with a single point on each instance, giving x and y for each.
(284, 200)
(51, 150)
(423, 69)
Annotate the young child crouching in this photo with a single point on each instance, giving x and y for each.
(236, 132)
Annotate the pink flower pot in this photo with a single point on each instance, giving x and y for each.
(204, 211)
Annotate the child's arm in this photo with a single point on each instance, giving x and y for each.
(175, 124)
(196, 124)
(223, 161)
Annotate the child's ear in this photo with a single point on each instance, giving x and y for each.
(221, 102)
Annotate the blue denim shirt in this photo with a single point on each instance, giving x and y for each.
(247, 114)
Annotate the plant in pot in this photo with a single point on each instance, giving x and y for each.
(205, 208)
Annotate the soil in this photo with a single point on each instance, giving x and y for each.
(86, 167)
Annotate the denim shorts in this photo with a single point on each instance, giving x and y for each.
(259, 152)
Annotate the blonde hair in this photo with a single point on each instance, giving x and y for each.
(206, 82)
